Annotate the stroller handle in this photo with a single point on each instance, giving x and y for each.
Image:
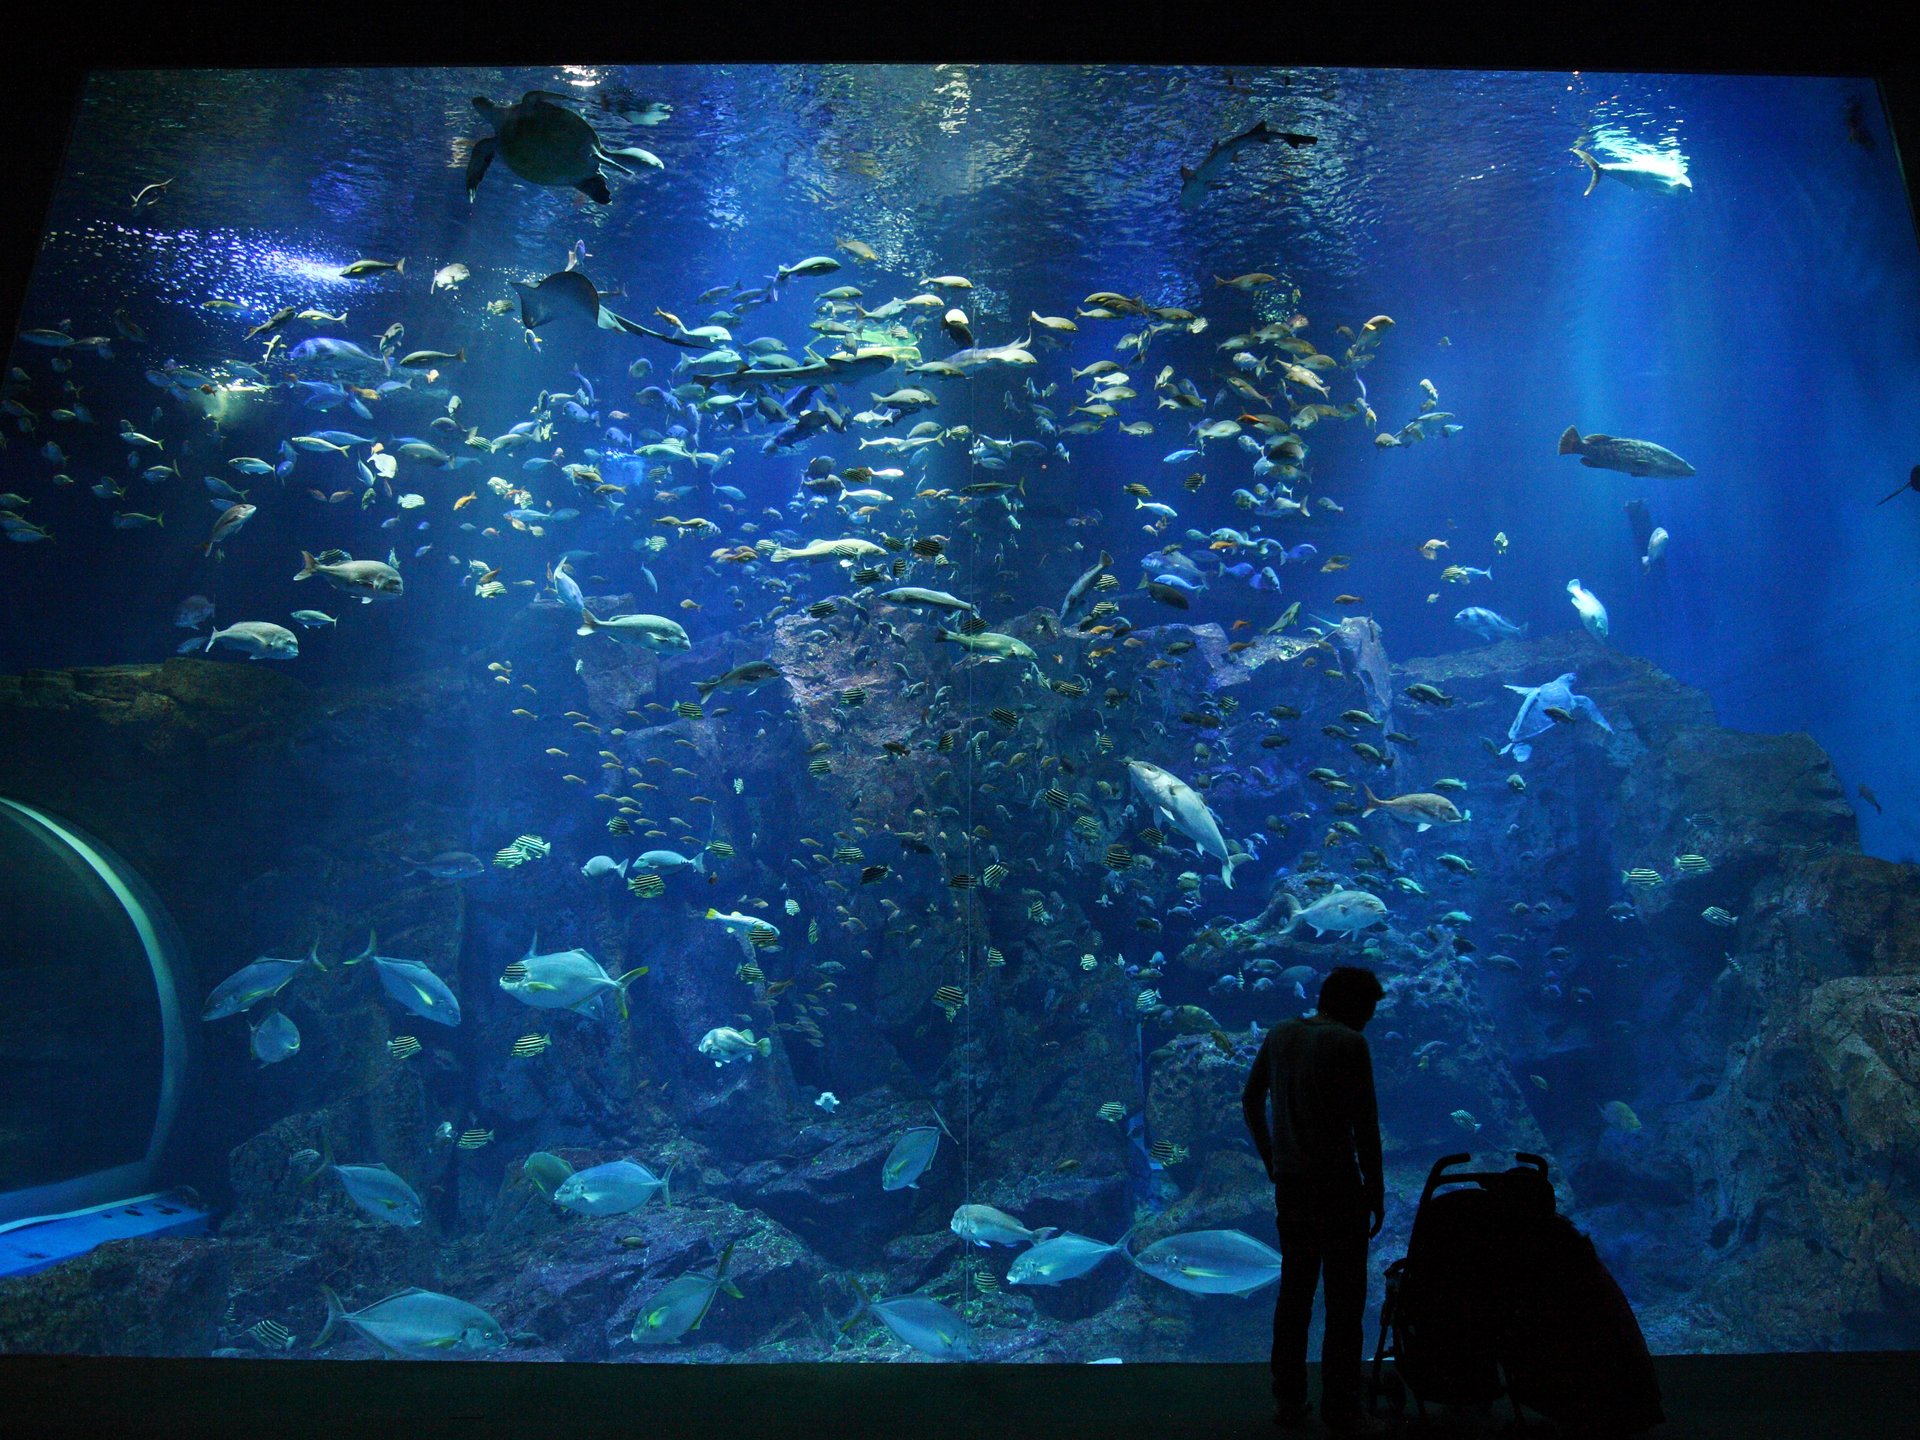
(1438, 1176)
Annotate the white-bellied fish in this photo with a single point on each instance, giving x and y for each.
(1211, 1262)
(412, 985)
(365, 580)
(651, 632)
(615, 1188)
(989, 643)
(1592, 613)
(1166, 794)
(724, 1045)
(261, 980)
(564, 980)
(1487, 624)
(984, 1226)
(1344, 912)
(681, 1304)
(258, 640)
(382, 1194)
(419, 1325)
(930, 599)
(1062, 1257)
(817, 550)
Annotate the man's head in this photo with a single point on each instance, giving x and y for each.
(1349, 994)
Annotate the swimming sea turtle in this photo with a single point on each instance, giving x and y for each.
(546, 143)
(1533, 718)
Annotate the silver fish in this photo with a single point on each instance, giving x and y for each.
(419, 1325)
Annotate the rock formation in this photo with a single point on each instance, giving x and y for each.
(1768, 1200)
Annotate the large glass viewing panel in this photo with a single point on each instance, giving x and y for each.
(752, 687)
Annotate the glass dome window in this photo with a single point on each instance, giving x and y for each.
(92, 1039)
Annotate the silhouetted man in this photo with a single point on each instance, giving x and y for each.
(1323, 1155)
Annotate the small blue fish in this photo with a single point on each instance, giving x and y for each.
(912, 1153)
(263, 979)
(1211, 1262)
(274, 1039)
(382, 1194)
(926, 1325)
(680, 1305)
(419, 1325)
(415, 987)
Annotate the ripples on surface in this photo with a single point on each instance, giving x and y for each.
(1011, 165)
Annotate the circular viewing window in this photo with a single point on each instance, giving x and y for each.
(92, 1042)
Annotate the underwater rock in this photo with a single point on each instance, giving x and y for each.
(133, 753)
(1772, 1062)
(1193, 1098)
(1801, 1156)
(1363, 655)
(580, 1290)
(824, 1183)
(1868, 908)
(161, 1296)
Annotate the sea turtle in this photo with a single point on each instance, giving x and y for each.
(1533, 718)
(546, 143)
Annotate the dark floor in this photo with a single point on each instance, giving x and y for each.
(1756, 1397)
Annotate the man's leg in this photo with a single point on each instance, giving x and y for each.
(1298, 1223)
(1344, 1257)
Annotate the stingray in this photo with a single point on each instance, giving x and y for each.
(568, 295)
(1533, 718)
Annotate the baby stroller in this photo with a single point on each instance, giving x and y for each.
(1498, 1294)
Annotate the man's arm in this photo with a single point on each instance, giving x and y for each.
(1253, 1106)
(1366, 1125)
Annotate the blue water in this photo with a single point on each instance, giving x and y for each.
(1756, 326)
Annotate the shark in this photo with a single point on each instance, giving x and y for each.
(1650, 174)
(1532, 719)
(1083, 586)
(1212, 171)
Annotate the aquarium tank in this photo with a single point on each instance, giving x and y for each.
(718, 703)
